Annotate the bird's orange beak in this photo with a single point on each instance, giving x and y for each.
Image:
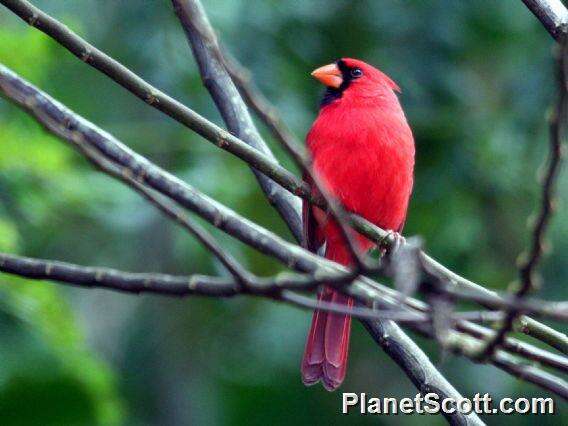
(329, 75)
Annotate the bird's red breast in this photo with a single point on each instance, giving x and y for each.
(362, 147)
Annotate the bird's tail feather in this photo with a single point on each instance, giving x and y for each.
(327, 345)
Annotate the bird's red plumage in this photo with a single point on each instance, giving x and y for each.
(363, 151)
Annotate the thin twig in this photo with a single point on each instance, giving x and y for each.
(278, 288)
(468, 290)
(128, 282)
(470, 347)
(171, 285)
(399, 316)
(527, 269)
(517, 347)
(541, 308)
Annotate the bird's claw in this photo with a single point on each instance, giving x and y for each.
(397, 241)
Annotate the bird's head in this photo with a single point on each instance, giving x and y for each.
(353, 80)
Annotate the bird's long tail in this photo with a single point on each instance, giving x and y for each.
(325, 355)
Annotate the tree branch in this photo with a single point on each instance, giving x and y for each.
(552, 14)
(468, 290)
(542, 308)
(469, 347)
(417, 366)
(128, 282)
(517, 347)
(277, 288)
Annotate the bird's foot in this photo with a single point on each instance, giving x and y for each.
(397, 241)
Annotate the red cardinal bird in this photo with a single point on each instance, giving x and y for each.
(363, 152)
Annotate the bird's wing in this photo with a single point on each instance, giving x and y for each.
(401, 226)
(312, 235)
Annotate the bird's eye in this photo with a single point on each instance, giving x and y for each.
(356, 73)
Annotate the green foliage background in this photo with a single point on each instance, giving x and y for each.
(477, 79)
